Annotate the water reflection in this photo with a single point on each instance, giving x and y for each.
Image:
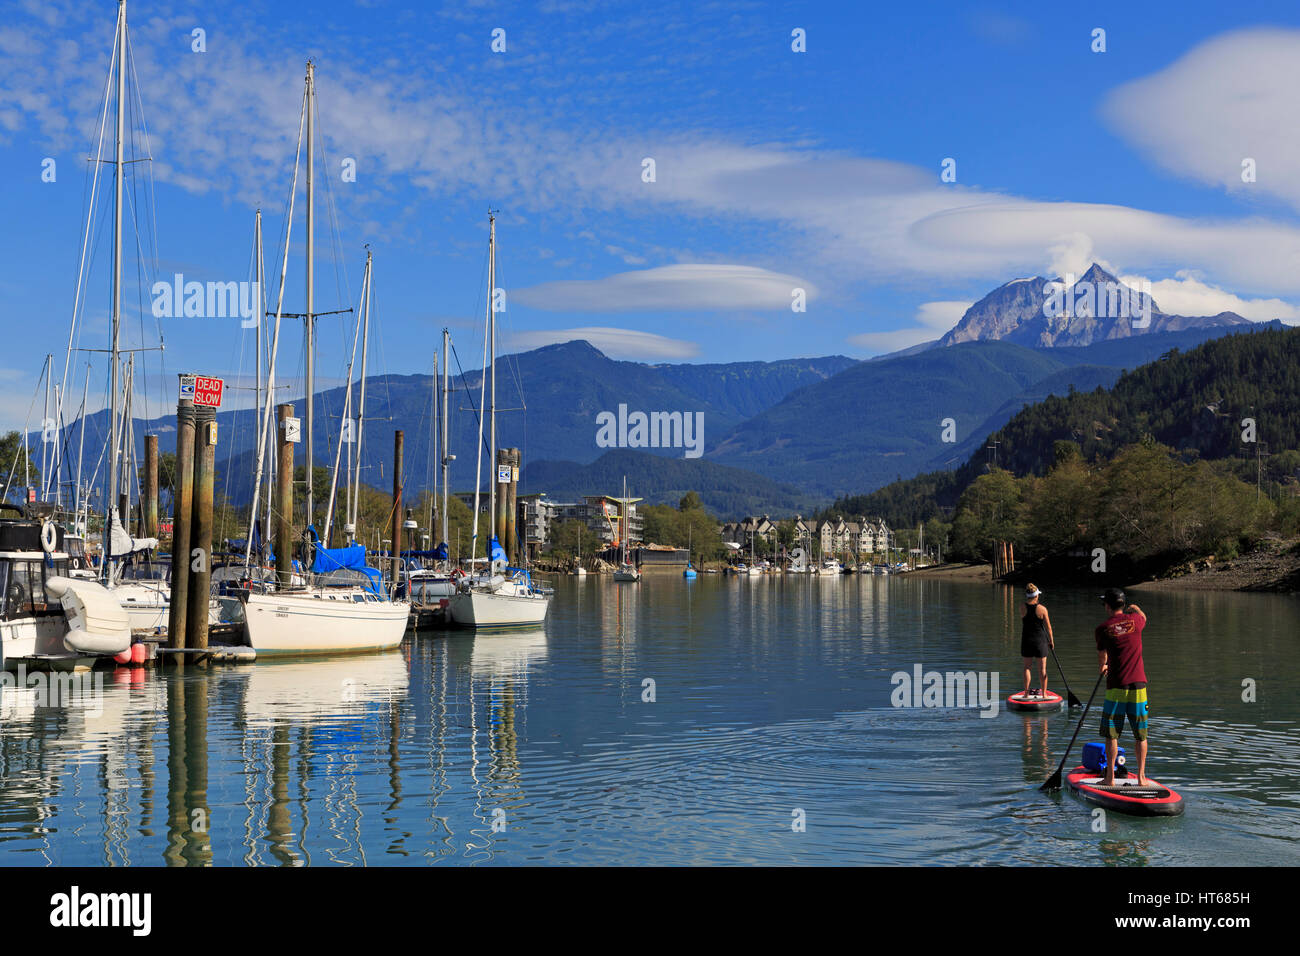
(771, 693)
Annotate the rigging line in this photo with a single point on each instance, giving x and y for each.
(90, 214)
(27, 421)
(336, 241)
(472, 406)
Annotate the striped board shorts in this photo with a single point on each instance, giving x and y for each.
(1124, 702)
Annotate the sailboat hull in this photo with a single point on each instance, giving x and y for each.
(482, 609)
(316, 622)
(31, 637)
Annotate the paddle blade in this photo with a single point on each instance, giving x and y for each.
(1053, 782)
(1074, 701)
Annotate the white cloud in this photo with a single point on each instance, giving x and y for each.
(683, 287)
(616, 343)
(838, 218)
(1230, 98)
(932, 318)
(1186, 294)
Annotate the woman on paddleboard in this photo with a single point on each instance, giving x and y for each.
(1035, 640)
(1119, 654)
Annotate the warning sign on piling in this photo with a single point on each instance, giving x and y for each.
(207, 391)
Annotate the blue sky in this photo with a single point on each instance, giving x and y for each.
(774, 170)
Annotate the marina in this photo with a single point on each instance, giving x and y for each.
(581, 436)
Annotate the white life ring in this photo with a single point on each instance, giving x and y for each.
(49, 536)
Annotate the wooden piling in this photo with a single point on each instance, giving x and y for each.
(182, 510)
(150, 486)
(499, 520)
(512, 507)
(284, 499)
(200, 565)
(396, 578)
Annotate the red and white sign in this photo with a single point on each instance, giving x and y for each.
(164, 527)
(207, 391)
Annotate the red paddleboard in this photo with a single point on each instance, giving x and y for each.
(1047, 703)
(1153, 800)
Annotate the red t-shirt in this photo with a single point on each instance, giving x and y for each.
(1120, 636)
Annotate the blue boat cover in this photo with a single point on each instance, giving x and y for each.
(349, 558)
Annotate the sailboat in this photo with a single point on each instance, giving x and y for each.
(627, 571)
(689, 571)
(503, 596)
(578, 569)
(753, 570)
(319, 618)
(53, 611)
(427, 587)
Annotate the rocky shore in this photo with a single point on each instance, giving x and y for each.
(1273, 566)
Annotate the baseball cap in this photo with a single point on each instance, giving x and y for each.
(1114, 597)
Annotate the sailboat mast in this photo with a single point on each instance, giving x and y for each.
(81, 447)
(45, 420)
(310, 319)
(119, 170)
(492, 358)
(446, 458)
(261, 309)
(435, 434)
(361, 398)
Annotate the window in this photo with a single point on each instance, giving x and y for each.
(18, 593)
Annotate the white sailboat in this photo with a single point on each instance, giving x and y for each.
(627, 571)
(501, 597)
(318, 618)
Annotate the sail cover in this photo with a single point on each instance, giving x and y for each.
(352, 558)
(498, 555)
(336, 562)
(122, 543)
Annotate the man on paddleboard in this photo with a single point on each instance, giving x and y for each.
(1119, 654)
(1035, 640)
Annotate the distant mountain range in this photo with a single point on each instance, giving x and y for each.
(1095, 308)
(882, 419)
(779, 436)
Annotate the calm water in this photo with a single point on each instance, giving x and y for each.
(771, 696)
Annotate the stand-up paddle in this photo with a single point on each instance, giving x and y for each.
(1054, 781)
(1074, 701)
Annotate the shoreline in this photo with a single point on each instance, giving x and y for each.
(957, 571)
(1273, 567)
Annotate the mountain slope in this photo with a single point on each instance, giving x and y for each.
(564, 387)
(1194, 402)
(877, 420)
(1096, 308)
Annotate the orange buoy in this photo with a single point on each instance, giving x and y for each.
(139, 653)
(124, 657)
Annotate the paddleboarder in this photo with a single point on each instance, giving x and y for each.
(1119, 655)
(1035, 640)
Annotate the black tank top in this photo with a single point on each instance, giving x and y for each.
(1032, 627)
